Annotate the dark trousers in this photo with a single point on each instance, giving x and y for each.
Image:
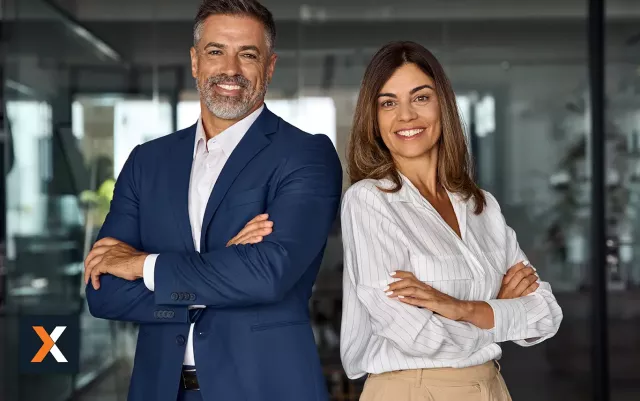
(189, 395)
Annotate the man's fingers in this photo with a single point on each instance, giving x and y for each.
(91, 261)
(95, 279)
(92, 264)
(91, 267)
(258, 218)
(253, 240)
(249, 228)
(249, 239)
(258, 222)
(95, 275)
(87, 275)
(250, 236)
(106, 241)
(254, 233)
(101, 250)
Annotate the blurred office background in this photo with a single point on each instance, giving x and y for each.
(84, 81)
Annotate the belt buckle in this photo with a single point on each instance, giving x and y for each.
(184, 380)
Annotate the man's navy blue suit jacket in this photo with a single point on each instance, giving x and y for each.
(253, 341)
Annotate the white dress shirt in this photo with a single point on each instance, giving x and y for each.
(384, 232)
(209, 157)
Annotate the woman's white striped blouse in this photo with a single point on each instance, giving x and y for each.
(383, 232)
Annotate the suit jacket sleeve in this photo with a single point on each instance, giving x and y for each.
(305, 206)
(119, 299)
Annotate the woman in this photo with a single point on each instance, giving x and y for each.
(434, 278)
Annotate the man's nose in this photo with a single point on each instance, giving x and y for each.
(231, 66)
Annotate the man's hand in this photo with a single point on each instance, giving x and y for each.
(254, 231)
(519, 281)
(110, 256)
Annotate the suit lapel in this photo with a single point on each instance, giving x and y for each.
(251, 144)
(179, 177)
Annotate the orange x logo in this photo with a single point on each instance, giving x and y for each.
(49, 344)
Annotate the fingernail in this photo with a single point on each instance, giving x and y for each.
(526, 263)
(389, 293)
(534, 269)
(393, 274)
(401, 296)
(386, 289)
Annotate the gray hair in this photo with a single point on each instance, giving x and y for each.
(248, 8)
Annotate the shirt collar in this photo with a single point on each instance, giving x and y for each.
(227, 139)
(409, 193)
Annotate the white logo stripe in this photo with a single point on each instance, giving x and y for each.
(55, 351)
(57, 332)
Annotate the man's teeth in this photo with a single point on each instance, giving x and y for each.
(229, 87)
(410, 132)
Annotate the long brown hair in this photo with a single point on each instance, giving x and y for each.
(369, 157)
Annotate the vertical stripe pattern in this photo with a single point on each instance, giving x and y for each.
(384, 232)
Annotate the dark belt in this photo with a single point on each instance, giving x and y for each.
(188, 379)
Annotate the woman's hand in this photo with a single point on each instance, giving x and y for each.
(412, 291)
(519, 281)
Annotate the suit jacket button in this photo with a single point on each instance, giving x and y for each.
(180, 340)
(171, 313)
(174, 296)
(192, 297)
(155, 314)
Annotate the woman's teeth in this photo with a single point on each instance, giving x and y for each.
(410, 132)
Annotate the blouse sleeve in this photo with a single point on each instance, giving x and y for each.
(527, 320)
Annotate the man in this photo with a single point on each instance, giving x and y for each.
(216, 233)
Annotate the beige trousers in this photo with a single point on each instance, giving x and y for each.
(477, 383)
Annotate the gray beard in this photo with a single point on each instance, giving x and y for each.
(228, 107)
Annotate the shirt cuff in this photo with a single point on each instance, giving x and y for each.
(148, 271)
(510, 319)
